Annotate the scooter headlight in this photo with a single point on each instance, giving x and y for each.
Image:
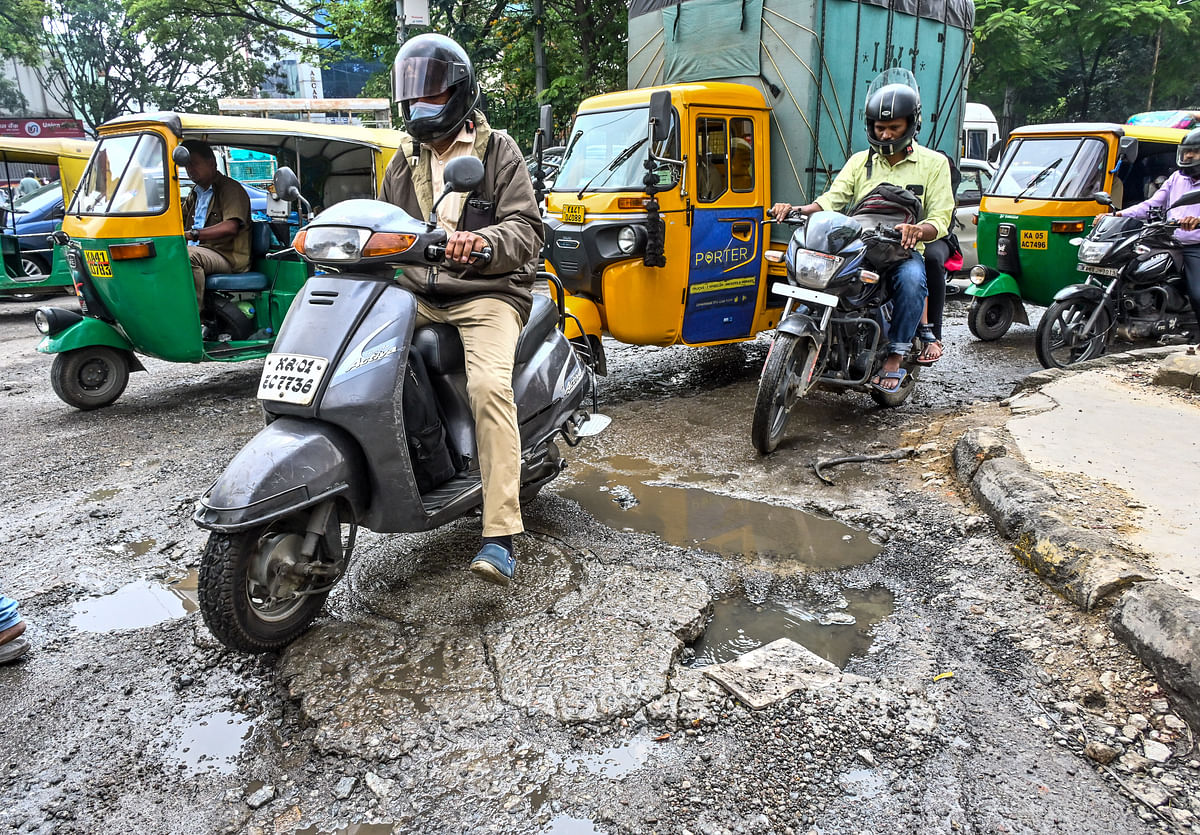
(814, 269)
(331, 243)
(1093, 252)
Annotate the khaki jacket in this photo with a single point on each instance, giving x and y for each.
(229, 200)
(515, 238)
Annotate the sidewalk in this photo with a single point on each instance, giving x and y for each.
(1095, 476)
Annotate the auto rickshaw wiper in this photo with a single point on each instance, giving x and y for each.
(1038, 177)
(612, 166)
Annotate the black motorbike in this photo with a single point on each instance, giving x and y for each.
(359, 407)
(833, 330)
(1135, 289)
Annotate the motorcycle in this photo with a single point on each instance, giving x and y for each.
(1135, 289)
(337, 451)
(833, 330)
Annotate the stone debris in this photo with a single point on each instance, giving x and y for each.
(261, 797)
(775, 671)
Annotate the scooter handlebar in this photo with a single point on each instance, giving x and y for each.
(480, 257)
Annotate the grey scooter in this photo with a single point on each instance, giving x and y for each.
(335, 453)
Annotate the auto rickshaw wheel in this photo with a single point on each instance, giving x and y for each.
(1061, 338)
(253, 589)
(91, 377)
(990, 317)
(788, 374)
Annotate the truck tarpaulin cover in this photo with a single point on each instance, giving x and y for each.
(957, 13)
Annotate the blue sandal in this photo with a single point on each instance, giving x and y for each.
(899, 375)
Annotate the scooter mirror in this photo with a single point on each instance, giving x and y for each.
(287, 185)
(463, 173)
(181, 156)
(1103, 198)
(1189, 199)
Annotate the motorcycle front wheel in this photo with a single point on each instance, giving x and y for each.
(1063, 337)
(789, 373)
(251, 596)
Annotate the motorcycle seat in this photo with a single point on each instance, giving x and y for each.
(247, 282)
(442, 350)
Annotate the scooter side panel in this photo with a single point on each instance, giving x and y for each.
(548, 389)
(290, 464)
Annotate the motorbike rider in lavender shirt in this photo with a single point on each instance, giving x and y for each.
(1186, 179)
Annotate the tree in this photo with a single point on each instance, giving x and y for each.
(18, 19)
(104, 60)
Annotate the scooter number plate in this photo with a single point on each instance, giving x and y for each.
(291, 378)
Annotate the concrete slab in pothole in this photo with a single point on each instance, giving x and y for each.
(773, 672)
(1138, 437)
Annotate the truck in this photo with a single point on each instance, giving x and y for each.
(654, 222)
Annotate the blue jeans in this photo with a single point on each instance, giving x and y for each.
(908, 302)
(1191, 271)
(8, 613)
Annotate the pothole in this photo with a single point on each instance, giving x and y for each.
(211, 743)
(137, 605)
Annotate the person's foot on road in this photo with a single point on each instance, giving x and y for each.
(890, 366)
(12, 645)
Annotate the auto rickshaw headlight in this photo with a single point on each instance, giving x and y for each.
(978, 274)
(53, 320)
(628, 239)
(40, 321)
(332, 243)
(388, 243)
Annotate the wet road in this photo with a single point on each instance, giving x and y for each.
(422, 701)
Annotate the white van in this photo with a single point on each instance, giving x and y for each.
(980, 131)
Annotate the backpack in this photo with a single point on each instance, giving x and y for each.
(888, 205)
(432, 460)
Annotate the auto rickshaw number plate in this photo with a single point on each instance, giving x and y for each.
(1034, 239)
(97, 263)
(291, 378)
(573, 213)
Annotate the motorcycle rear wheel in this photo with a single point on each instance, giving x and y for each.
(238, 607)
(789, 373)
(1060, 342)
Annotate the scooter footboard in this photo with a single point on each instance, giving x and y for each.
(289, 465)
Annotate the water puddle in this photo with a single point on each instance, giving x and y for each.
(693, 518)
(212, 743)
(739, 625)
(567, 825)
(137, 605)
(352, 829)
(614, 762)
(103, 495)
(861, 784)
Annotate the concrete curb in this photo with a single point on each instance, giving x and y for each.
(1157, 621)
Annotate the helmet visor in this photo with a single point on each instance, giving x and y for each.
(418, 77)
(1188, 156)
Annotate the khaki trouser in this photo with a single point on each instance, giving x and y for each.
(489, 329)
(206, 261)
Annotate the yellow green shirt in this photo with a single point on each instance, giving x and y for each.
(923, 167)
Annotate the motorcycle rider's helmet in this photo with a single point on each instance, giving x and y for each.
(429, 65)
(893, 101)
(1187, 157)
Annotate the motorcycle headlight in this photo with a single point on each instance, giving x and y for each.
(814, 269)
(331, 243)
(1093, 252)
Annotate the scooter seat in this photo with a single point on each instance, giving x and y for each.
(236, 282)
(442, 350)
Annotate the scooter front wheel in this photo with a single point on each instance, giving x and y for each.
(251, 591)
(789, 372)
(1063, 337)
(91, 377)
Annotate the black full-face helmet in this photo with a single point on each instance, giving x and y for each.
(893, 101)
(429, 65)
(1188, 155)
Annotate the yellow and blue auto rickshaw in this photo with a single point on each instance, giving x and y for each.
(33, 266)
(125, 245)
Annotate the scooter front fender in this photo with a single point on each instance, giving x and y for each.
(1088, 292)
(290, 465)
(85, 333)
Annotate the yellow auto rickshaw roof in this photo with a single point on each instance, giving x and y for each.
(46, 151)
(1172, 136)
(713, 94)
(230, 129)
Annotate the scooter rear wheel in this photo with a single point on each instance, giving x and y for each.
(1061, 340)
(245, 589)
(787, 376)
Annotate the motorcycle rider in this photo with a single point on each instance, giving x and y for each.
(893, 118)
(1186, 179)
(434, 83)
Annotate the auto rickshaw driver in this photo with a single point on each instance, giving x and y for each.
(216, 219)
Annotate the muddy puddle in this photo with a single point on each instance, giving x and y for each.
(137, 605)
(352, 829)
(567, 825)
(210, 743)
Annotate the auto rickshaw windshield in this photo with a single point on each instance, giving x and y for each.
(125, 177)
(1061, 168)
(597, 144)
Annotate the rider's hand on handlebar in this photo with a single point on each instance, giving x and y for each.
(460, 245)
(780, 210)
(1189, 223)
(910, 234)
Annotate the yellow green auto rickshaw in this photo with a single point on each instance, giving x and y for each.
(33, 267)
(128, 256)
(1042, 198)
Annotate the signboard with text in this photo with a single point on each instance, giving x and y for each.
(40, 128)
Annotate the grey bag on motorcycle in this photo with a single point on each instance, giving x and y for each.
(886, 205)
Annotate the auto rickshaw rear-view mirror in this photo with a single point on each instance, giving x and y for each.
(181, 156)
(1127, 149)
(660, 115)
(1191, 198)
(287, 184)
(545, 124)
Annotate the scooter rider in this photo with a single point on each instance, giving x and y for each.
(435, 86)
(893, 118)
(1186, 179)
